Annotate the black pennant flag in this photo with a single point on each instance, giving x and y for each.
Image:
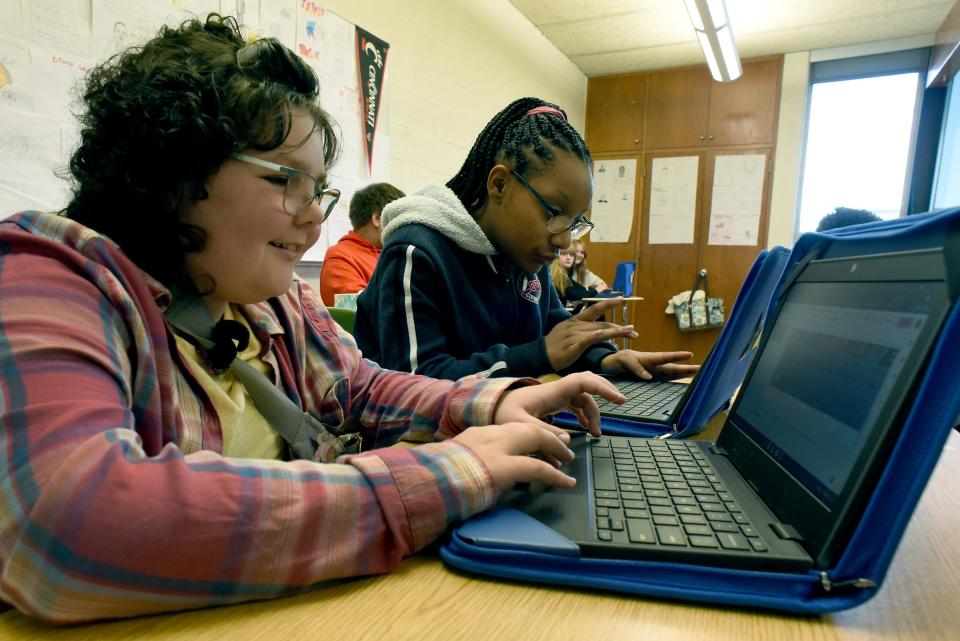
(371, 65)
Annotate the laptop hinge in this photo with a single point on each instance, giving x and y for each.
(713, 448)
(786, 532)
(829, 585)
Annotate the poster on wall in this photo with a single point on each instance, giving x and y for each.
(673, 200)
(48, 46)
(371, 66)
(737, 197)
(328, 43)
(614, 191)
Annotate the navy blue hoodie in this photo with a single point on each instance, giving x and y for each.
(443, 303)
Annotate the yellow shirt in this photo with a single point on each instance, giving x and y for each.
(246, 434)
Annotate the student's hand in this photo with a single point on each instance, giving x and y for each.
(601, 286)
(504, 449)
(569, 339)
(649, 365)
(573, 393)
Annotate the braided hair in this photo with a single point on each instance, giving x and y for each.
(514, 134)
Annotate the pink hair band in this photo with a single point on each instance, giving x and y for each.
(544, 109)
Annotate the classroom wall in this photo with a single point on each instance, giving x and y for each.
(788, 159)
(452, 65)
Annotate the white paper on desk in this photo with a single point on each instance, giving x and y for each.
(247, 13)
(12, 201)
(278, 19)
(120, 24)
(614, 193)
(56, 80)
(31, 150)
(11, 19)
(673, 199)
(737, 197)
(15, 73)
(62, 24)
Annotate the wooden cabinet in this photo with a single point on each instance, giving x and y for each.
(664, 270)
(615, 112)
(603, 258)
(681, 112)
(686, 108)
(744, 112)
(678, 104)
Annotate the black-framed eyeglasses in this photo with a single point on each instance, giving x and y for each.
(559, 223)
(300, 189)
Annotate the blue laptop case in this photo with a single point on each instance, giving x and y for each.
(726, 365)
(515, 546)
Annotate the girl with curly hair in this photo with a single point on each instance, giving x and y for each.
(139, 473)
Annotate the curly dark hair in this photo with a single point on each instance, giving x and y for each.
(158, 122)
(514, 135)
(371, 200)
(846, 216)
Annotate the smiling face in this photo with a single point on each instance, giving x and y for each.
(252, 245)
(515, 220)
(579, 253)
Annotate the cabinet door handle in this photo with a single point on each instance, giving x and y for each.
(701, 137)
(636, 141)
(709, 137)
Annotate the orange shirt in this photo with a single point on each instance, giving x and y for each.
(347, 266)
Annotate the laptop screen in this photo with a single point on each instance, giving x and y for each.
(809, 429)
(832, 361)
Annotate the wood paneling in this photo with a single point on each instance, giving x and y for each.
(678, 104)
(744, 112)
(665, 270)
(686, 114)
(602, 258)
(615, 112)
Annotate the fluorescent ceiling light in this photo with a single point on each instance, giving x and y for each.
(712, 26)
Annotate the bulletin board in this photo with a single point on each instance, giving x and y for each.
(46, 47)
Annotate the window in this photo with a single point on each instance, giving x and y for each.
(947, 186)
(861, 131)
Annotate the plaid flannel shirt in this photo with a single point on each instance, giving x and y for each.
(114, 499)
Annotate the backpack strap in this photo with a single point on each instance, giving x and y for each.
(306, 437)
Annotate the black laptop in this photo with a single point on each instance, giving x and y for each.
(802, 447)
(661, 402)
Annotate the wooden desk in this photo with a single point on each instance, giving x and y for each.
(424, 600)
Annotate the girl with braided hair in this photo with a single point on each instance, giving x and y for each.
(140, 472)
(463, 283)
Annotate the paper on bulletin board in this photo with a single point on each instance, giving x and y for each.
(614, 193)
(62, 24)
(15, 72)
(673, 200)
(737, 198)
(31, 154)
(278, 19)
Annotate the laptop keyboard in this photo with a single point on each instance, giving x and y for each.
(665, 493)
(644, 398)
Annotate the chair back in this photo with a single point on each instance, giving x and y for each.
(623, 279)
(344, 317)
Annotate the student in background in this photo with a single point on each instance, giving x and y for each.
(463, 286)
(348, 265)
(568, 289)
(580, 273)
(138, 474)
(845, 216)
